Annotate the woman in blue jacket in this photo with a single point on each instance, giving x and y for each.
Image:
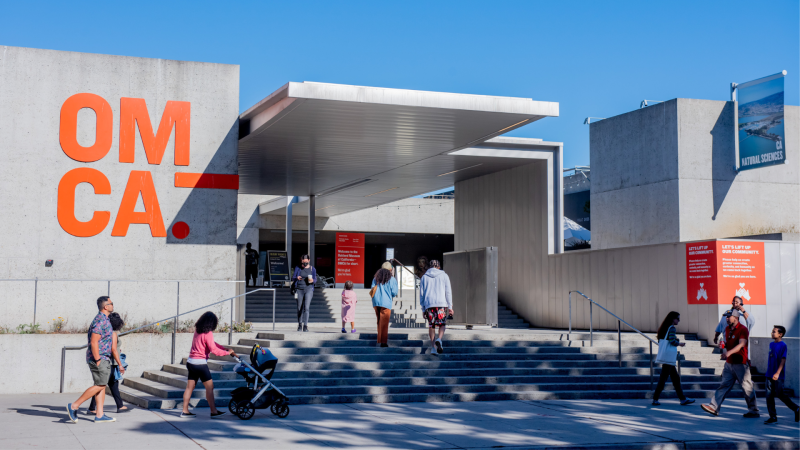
(385, 291)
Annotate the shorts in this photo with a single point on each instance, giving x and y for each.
(100, 372)
(436, 316)
(198, 371)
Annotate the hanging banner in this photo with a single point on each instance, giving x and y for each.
(716, 271)
(760, 135)
(350, 258)
(278, 267)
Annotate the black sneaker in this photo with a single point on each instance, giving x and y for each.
(771, 420)
(751, 415)
(305, 328)
(218, 414)
(299, 327)
(656, 403)
(188, 415)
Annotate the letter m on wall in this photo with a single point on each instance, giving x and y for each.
(133, 111)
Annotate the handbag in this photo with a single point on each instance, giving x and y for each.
(667, 353)
(373, 291)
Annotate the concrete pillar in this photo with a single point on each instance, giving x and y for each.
(288, 239)
(311, 228)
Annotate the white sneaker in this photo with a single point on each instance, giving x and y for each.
(433, 350)
(438, 344)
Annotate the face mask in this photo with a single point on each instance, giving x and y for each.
(305, 264)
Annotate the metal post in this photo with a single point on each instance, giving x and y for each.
(288, 237)
(619, 341)
(273, 309)
(570, 315)
(63, 363)
(230, 330)
(175, 324)
(591, 329)
(35, 294)
(651, 365)
(108, 289)
(401, 281)
(312, 204)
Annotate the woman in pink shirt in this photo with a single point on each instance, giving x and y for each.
(202, 345)
(349, 301)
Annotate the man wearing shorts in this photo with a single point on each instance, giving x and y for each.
(436, 299)
(98, 357)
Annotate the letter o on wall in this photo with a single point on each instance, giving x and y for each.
(66, 202)
(68, 129)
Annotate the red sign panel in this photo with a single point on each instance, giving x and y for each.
(350, 258)
(716, 271)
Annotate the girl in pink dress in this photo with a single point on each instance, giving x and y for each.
(349, 307)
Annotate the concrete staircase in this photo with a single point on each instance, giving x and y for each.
(488, 365)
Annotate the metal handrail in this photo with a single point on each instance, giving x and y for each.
(619, 332)
(416, 302)
(174, 328)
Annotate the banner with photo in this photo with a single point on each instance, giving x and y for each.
(761, 138)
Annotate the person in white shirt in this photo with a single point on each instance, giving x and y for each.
(738, 305)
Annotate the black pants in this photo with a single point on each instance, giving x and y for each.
(304, 304)
(775, 389)
(250, 270)
(113, 384)
(671, 372)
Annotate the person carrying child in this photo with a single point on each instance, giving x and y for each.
(117, 366)
(349, 301)
(776, 376)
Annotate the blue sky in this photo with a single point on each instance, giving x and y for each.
(595, 58)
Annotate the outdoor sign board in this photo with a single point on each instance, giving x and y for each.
(716, 271)
(350, 258)
(278, 267)
(760, 136)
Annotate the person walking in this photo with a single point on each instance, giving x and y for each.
(776, 374)
(384, 290)
(117, 366)
(666, 332)
(436, 299)
(203, 345)
(737, 303)
(736, 368)
(251, 265)
(305, 277)
(349, 300)
(98, 357)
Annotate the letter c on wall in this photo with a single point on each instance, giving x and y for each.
(68, 128)
(66, 202)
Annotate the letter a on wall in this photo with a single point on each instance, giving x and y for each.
(140, 182)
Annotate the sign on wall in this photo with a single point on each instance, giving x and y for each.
(350, 258)
(760, 134)
(716, 271)
(278, 267)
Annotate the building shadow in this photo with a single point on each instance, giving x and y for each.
(723, 156)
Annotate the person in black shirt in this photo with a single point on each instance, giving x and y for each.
(304, 279)
(251, 264)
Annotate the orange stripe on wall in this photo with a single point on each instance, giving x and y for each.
(206, 180)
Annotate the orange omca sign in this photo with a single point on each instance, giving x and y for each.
(133, 111)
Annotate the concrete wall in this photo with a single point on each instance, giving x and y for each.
(640, 284)
(34, 85)
(665, 174)
(143, 352)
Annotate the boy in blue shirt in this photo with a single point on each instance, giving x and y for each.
(776, 375)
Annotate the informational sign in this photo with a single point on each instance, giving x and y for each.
(278, 267)
(716, 271)
(389, 254)
(759, 129)
(350, 258)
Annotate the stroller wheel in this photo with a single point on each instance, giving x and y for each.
(233, 407)
(246, 410)
(280, 408)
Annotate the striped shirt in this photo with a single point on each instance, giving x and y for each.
(671, 338)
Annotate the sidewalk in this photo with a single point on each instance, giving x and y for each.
(39, 421)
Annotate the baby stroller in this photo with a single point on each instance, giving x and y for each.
(245, 400)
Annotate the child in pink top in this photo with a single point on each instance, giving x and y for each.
(203, 345)
(349, 301)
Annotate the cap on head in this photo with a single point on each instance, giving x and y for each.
(387, 265)
(732, 313)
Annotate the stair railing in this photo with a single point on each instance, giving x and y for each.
(174, 327)
(619, 332)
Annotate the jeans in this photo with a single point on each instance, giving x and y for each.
(113, 386)
(730, 374)
(671, 372)
(304, 304)
(775, 389)
(383, 315)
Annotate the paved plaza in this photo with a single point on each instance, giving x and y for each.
(39, 421)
